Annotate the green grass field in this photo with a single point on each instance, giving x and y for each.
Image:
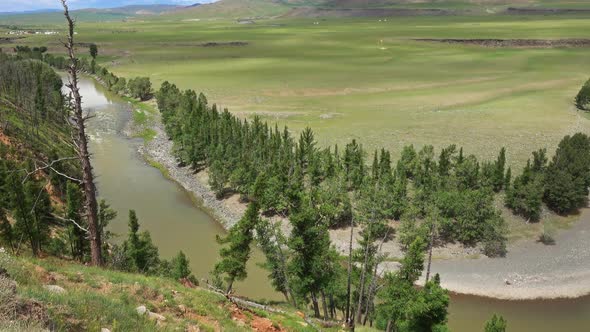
(367, 79)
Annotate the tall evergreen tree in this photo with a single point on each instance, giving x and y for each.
(309, 243)
(236, 250)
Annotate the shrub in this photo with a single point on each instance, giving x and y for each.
(140, 88)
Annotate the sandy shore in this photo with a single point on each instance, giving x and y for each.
(531, 270)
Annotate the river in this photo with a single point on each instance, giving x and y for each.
(176, 223)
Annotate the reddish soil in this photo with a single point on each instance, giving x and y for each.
(257, 323)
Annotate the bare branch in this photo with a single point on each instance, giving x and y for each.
(50, 165)
(73, 222)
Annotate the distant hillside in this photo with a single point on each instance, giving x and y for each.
(234, 9)
(316, 8)
(135, 9)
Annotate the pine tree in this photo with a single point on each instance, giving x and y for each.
(180, 266)
(236, 252)
(309, 242)
(496, 324)
(105, 216)
(142, 254)
(271, 240)
(499, 176)
(77, 237)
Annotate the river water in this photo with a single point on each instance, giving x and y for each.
(176, 223)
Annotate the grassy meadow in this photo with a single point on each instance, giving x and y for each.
(366, 78)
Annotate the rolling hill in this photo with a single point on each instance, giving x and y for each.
(318, 8)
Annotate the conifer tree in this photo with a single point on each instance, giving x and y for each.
(180, 266)
(77, 237)
(142, 254)
(496, 324)
(236, 250)
(309, 243)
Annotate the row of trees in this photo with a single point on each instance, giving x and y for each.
(237, 153)
(449, 198)
(139, 87)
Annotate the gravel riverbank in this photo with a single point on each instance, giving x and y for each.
(159, 150)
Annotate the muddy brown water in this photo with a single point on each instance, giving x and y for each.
(176, 223)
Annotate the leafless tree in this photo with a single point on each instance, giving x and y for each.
(80, 141)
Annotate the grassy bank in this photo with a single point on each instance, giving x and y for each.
(96, 298)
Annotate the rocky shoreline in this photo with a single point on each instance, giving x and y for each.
(159, 150)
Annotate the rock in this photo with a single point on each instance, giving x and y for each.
(55, 289)
(155, 316)
(104, 329)
(141, 310)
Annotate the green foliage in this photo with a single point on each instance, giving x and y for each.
(105, 215)
(407, 308)
(140, 88)
(566, 186)
(32, 211)
(583, 97)
(525, 195)
(467, 216)
(93, 50)
(180, 267)
(141, 253)
(310, 246)
(496, 324)
(79, 246)
(236, 253)
(270, 239)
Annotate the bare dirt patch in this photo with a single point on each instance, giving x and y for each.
(256, 322)
(545, 11)
(518, 43)
(220, 44)
(9, 40)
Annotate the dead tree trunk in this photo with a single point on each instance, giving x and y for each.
(81, 143)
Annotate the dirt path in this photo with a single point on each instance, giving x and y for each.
(530, 270)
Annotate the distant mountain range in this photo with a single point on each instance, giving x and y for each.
(36, 11)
